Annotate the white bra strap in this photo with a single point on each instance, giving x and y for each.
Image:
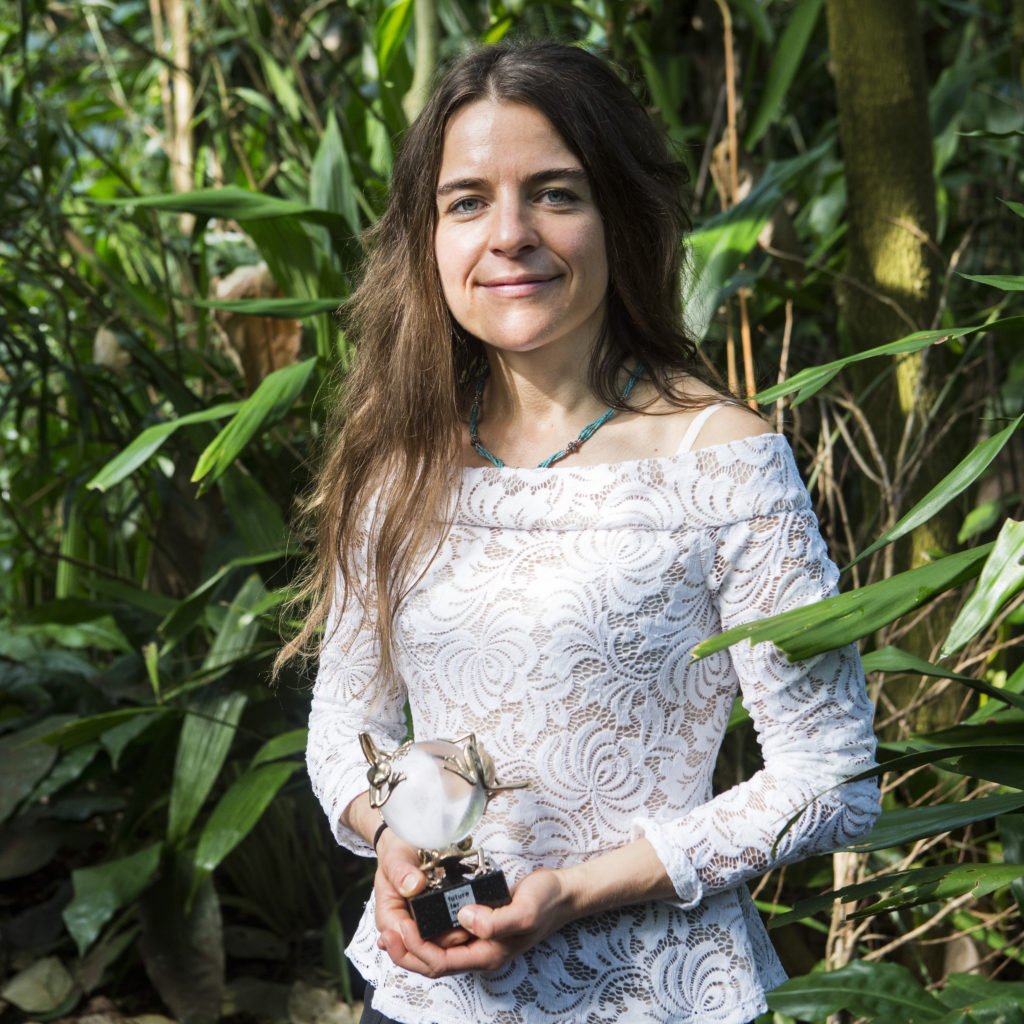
(695, 426)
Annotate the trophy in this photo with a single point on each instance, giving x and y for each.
(431, 794)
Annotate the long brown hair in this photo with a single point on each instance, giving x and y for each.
(392, 462)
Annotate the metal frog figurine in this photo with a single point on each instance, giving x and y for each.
(432, 794)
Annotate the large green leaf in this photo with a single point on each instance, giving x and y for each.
(26, 761)
(995, 1010)
(951, 485)
(1011, 833)
(836, 621)
(892, 659)
(808, 381)
(1004, 765)
(909, 824)
(84, 730)
(203, 745)
(787, 57)
(237, 812)
(150, 440)
(238, 630)
(103, 890)
(281, 86)
(390, 32)
(27, 845)
(292, 309)
(881, 992)
(182, 942)
(190, 608)
(288, 743)
(1004, 282)
(760, 23)
(928, 885)
(723, 242)
(332, 185)
(910, 888)
(270, 401)
(230, 203)
(254, 514)
(67, 770)
(101, 632)
(968, 990)
(1001, 579)
(1002, 730)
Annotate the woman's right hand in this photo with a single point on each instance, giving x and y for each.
(398, 877)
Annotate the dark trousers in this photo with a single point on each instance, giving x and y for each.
(370, 1015)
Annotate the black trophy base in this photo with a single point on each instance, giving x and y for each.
(436, 910)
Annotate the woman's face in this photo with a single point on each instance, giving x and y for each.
(520, 243)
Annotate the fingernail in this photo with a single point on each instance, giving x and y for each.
(467, 918)
(408, 885)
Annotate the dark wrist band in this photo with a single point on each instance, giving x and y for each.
(376, 835)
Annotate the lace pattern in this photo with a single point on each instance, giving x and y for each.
(557, 624)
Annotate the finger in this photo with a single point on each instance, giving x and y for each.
(456, 937)
(499, 922)
(482, 955)
(390, 908)
(430, 954)
(476, 920)
(409, 951)
(401, 866)
(392, 944)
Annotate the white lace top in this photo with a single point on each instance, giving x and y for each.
(557, 624)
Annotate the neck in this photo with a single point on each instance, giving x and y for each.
(531, 389)
(538, 407)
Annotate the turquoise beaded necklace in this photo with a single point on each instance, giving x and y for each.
(572, 447)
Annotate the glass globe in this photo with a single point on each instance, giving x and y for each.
(432, 807)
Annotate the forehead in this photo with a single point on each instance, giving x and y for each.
(490, 137)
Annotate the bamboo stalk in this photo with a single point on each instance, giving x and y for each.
(732, 146)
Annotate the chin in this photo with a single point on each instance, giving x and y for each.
(521, 338)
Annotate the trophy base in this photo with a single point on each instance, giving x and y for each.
(436, 910)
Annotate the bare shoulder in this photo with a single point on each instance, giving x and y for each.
(729, 420)
(730, 423)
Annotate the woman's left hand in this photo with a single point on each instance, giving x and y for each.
(541, 904)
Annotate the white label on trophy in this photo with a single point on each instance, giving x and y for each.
(458, 898)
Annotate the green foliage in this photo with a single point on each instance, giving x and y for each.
(142, 747)
(889, 992)
(810, 630)
(103, 890)
(1001, 579)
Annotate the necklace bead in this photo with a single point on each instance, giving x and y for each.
(570, 449)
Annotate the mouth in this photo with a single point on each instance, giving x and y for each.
(519, 285)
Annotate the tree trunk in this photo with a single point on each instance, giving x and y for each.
(893, 269)
(428, 32)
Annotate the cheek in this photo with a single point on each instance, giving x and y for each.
(585, 245)
(453, 265)
(591, 253)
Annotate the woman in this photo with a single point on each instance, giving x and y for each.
(543, 587)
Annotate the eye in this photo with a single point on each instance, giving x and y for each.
(466, 205)
(558, 197)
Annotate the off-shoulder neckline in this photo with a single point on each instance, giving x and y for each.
(677, 459)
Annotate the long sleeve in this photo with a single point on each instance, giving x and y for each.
(813, 721)
(348, 700)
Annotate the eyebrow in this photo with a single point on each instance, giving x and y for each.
(552, 174)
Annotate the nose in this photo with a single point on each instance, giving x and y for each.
(513, 231)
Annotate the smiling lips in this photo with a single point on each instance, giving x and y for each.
(518, 286)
